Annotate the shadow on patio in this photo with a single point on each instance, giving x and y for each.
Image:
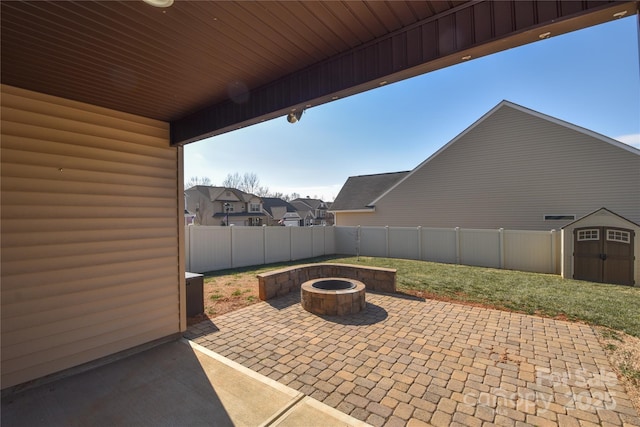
(177, 383)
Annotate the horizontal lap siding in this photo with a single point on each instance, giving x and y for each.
(508, 172)
(90, 257)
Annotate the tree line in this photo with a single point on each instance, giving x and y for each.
(248, 182)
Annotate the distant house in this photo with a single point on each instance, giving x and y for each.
(312, 211)
(514, 168)
(280, 212)
(223, 206)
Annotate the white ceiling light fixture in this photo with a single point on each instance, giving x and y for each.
(159, 3)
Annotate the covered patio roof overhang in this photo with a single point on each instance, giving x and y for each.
(212, 67)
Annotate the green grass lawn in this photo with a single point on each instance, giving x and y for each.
(612, 306)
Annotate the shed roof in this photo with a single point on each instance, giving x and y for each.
(601, 211)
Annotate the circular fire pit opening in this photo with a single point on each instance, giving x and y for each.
(333, 284)
(333, 296)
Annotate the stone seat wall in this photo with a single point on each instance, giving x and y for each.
(283, 281)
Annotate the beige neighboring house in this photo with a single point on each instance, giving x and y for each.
(223, 206)
(312, 211)
(280, 212)
(514, 168)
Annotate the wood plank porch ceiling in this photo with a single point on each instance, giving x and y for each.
(211, 67)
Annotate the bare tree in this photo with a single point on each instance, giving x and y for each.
(197, 180)
(263, 192)
(232, 181)
(250, 183)
(285, 197)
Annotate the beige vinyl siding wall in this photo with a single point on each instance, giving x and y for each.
(508, 172)
(90, 233)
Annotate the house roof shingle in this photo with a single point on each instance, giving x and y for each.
(268, 203)
(311, 203)
(359, 191)
(219, 193)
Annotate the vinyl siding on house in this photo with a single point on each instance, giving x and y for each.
(508, 170)
(90, 233)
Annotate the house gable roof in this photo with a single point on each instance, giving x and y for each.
(508, 104)
(220, 194)
(269, 203)
(300, 206)
(359, 191)
(202, 189)
(311, 203)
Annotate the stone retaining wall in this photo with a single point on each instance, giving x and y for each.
(281, 282)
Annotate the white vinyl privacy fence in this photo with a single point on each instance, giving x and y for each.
(535, 251)
(212, 248)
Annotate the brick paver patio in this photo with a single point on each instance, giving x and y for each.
(412, 362)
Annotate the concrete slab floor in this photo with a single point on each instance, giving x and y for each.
(178, 383)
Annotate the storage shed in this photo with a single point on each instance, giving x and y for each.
(601, 247)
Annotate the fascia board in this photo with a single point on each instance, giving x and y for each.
(373, 209)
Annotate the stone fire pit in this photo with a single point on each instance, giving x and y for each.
(333, 296)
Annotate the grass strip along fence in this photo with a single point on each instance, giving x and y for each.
(612, 306)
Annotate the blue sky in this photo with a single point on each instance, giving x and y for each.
(590, 78)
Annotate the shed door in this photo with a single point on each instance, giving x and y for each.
(603, 254)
